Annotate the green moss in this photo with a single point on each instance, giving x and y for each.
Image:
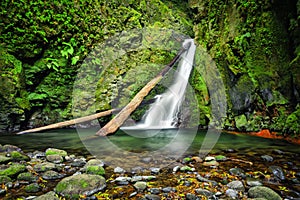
(97, 170)
(52, 151)
(17, 156)
(13, 170)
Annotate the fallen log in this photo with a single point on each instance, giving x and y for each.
(71, 122)
(113, 125)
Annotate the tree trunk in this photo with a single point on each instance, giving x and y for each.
(113, 125)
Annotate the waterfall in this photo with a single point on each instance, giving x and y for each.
(163, 113)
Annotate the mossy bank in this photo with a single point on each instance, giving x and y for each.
(254, 44)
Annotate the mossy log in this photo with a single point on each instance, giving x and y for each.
(113, 125)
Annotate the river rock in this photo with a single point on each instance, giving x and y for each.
(140, 186)
(263, 192)
(52, 175)
(48, 196)
(152, 197)
(267, 158)
(119, 170)
(27, 176)
(4, 179)
(154, 190)
(253, 182)
(237, 172)
(190, 196)
(204, 192)
(18, 156)
(55, 158)
(45, 166)
(202, 179)
(236, 185)
(32, 188)
(277, 172)
(155, 170)
(53, 151)
(169, 189)
(187, 169)
(232, 194)
(78, 162)
(12, 169)
(95, 162)
(9, 148)
(4, 159)
(97, 170)
(83, 184)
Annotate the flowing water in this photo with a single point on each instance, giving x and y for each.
(163, 113)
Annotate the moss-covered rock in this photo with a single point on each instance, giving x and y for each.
(27, 176)
(18, 156)
(32, 188)
(84, 184)
(4, 179)
(263, 192)
(53, 151)
(12, 170)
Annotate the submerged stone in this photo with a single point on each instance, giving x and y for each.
(277, 172)
(83, 184)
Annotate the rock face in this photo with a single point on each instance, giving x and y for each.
(83, 184)
(255, 48)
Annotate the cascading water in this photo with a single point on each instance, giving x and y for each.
(162, 114)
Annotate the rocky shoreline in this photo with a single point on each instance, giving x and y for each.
(57, 174)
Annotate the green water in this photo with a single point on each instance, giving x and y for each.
(73, 141)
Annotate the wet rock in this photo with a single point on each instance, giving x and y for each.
(187, 169)
(140, 186)
(18, 156)
(253, 182)
(37, 155)
(9, 148)
(154, 190)
(263, 192)
(45, 166)
(237, 172)
(95, 162)
(136, 170)
(277, 151)
(210, 161)
(168, 189)
(32, 188)
(2, 192)
(186, 160)
(123, 179)
(152, 197)
(190, 196)
(236, 185)
(55, 158)
(119, 170)
(4, 159)
(53, 151)
(83, 184)
(136, 178)
(78, 162)
(133, 194)
(155, 170)
(146, 160)
(148, 178)
(197, 159)
(233, 194)
(48, 196)
(176, 169)
(12, 170)
(267, 158)
(97, 170)
(27, 176)
(202, 179)
(4, 179)
(220, 158)
(277, 172)
(204, 192)
(52, 175)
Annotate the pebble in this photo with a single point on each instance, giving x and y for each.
(204, 192)
(236, 172)
(123, 179)
(140, 186)
(155, 170)
(168, 189)
(190, 196)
